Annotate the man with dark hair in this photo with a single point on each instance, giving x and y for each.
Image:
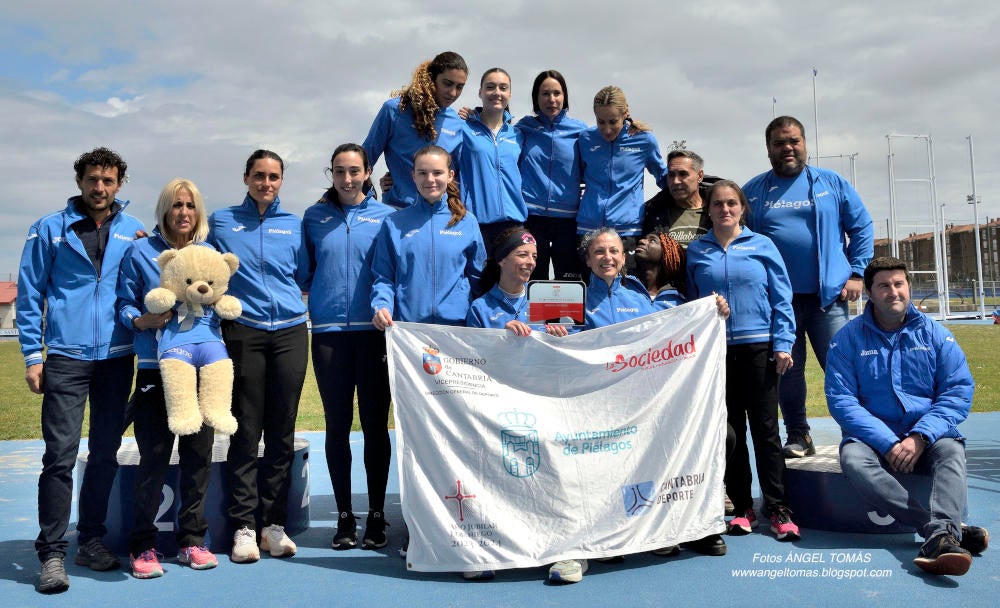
(826, 238)
(66, 288)
(681, 210)
(898, 385)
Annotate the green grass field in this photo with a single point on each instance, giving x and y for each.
(19, 408)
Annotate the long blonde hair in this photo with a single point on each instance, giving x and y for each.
(166, 201)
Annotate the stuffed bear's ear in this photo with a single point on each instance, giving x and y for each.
(164, 258)
(232, 261)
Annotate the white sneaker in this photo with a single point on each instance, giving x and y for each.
(568, 571)
(274, 539)
(244, 546)
(478, 575)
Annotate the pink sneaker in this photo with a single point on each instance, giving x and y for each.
(744, 524)
(146, 564)
(783, 526)
(198, 558)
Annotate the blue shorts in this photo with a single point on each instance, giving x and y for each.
(198, 355)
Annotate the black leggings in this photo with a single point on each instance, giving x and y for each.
(343, 361)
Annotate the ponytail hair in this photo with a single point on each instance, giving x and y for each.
(455, 204)
(420, 93)
(454, 198)
(615, 97)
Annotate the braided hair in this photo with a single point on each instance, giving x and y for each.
(455, 204)
(673, 261)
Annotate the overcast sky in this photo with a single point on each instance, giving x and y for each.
(190, 89)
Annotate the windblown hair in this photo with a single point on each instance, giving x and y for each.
(420, 93)
(454, 199)
(615, 97)
(168, 196)
(101, 157)
(590, 237)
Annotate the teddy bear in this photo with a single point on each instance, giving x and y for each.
(194, 364)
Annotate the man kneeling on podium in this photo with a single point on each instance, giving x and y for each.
(898, 384)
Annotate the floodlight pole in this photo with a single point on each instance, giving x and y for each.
(974, 201)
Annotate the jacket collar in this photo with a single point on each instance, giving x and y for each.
(73, 213)
(251, 205)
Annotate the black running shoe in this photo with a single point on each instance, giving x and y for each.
(347, 532)
(376, 535)
(94, 555)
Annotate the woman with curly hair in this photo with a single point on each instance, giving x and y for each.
(659, 264)
(415, 116)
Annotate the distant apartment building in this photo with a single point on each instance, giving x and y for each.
(917, 251)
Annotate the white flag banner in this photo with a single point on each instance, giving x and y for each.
(518, 452)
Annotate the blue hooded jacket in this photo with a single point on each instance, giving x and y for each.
(613, 174)
(750, 275)
(550, 164)
(272, 259)
(424, 270)
(839, 214)
(883, 385)
(340, 241)
(488, 173)
(58, 284)
(393, 133)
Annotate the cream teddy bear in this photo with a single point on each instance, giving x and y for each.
(196, 369)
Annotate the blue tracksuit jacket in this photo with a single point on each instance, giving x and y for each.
(57, 282)
(751, 276)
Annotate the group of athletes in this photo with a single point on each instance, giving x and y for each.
(474, 206)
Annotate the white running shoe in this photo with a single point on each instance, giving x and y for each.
(274, 539)
(568, 571)
(244, 546)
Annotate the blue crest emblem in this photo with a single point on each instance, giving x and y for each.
(519, 443)
(432, 363)
(636, 498)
